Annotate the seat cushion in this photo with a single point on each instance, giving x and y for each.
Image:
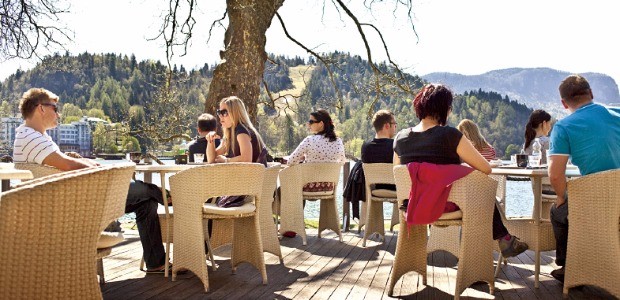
(382, 193)
(313, 187)
(318, 194)
(212, 208)
(455, 215)
(109, 239)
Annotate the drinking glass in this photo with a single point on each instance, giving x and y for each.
(199, 157)
(534, 161)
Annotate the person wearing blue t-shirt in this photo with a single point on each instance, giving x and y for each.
(590, 137)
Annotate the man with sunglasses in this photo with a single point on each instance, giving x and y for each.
(39, 108)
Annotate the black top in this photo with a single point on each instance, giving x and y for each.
(256, 149)
(199, 146)
(436, 145)
(378, 151)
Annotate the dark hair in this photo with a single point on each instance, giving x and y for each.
(433, 100)
(573, 87)
(536, 118)
(207, 122)
(381, 118)
(34, 97)
(322, 115)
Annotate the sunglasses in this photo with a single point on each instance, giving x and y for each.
(313, 121)
(222, 112)
(55, 106)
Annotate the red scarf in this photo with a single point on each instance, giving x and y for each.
(430, 188)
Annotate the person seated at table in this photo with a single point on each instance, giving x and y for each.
(471, 131)
(590, 137)
(206, 123)
(39, 108)
(432, 141)
(322, 146)
(241, 142)
(538, 126)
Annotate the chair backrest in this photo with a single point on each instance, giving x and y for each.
(39, 236)
(198, 184)
(595, 196)
(378, 173)
(474, 193)
(306, 173)
(37, 169)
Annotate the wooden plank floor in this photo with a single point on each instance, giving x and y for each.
(328, 269)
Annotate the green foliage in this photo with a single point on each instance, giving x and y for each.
(70, 113)
(510, 150)
(130, 144)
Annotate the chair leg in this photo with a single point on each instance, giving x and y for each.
(374, 221)
(100, 271)
(142, 264)
(208, 244)
(395, 220)
(328, 217)
(500, 259)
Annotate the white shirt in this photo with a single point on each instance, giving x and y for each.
(32, 146)
(318, 148)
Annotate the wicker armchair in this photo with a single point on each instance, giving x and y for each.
(379, 173)
(292, 180)
(593, 254)
(475, 195)
(45, 256)
(106, 241)
(190, 189)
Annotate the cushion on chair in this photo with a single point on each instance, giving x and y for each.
(109, 239)
(455, 215)
(317, 194)
(212, 208)
(383, 193)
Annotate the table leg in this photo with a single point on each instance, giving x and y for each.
(537, 189)
(162, 176)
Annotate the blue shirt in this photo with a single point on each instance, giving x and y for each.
(590, 136)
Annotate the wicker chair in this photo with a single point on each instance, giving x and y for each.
(593, 254)
(475, 195)
(292, 180)
(379, 173)
(539, 238)
(45, 256)
(190, 189)
(107, 239)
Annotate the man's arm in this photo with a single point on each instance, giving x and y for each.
(557, 171)
(65, 163)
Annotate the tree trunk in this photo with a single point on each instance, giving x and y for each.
(243, 58)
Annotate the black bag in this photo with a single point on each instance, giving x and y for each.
(230, 201)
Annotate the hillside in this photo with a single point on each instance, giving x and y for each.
(125, 90)
(535, 87)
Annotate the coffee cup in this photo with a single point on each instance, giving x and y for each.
(521, 160)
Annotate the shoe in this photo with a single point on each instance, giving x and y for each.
(289, 234)
(558, 274)
(512, 247)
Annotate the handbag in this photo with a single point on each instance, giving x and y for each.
(230, 201)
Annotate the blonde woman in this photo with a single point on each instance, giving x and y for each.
(241, 142)
(471, 131)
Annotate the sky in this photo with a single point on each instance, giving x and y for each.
(458, 36)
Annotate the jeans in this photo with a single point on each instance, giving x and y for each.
(143, 199)
(559, 221)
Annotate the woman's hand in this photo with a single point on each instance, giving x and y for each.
(221, 159)
(212, 136)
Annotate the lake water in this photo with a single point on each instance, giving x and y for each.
(521, 190)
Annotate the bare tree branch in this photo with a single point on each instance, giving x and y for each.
(28, 25)
(218, 22)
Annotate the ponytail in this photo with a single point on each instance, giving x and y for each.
(536, 118)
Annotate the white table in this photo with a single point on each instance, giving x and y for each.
(12, 173)
(536, 175)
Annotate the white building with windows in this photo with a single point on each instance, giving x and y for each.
(76, 137)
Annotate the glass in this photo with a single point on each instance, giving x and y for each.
(534, 161)
(222, 112)
(135, 157)
(199, 157)
(312, 122)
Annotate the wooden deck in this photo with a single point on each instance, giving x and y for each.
(328, 269)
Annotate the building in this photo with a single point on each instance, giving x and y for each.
(75, 137)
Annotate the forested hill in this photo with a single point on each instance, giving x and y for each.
(120, 88)
(536, 87)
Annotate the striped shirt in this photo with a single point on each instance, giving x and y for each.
(488, 152)
(32, 146)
